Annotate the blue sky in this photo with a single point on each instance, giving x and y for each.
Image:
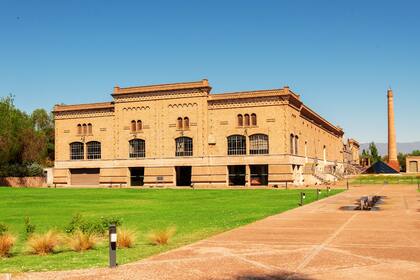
(341, 56)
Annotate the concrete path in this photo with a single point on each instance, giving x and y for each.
(317, 241)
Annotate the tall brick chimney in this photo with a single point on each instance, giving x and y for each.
(392, 142)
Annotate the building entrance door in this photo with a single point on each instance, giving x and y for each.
(183, 175)
(136, 176)
(414, 168)
(237, 175)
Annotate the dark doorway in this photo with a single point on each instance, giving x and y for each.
(259, 175)
(237, 175)
(136, 176)
(183, 175)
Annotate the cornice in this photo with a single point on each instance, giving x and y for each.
(161, 88)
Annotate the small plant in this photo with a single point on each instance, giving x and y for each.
(162, 237)
(43, 244)
(126, 238)
(94, 226)
(75, 223)
(3, 228)
(29, 227)
(80, 241)
(7, 241)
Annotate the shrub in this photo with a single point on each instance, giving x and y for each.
(29, 227)
(93, 226)
(126, 238)
(42, 244)
(3, 228)
(80, 241)
(75, 223)
(162, 237)
(6, 243)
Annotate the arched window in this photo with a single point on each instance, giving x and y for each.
(77, 151)
(79, 129)
(253, 119)
(93, 150)
(84, 129)
(139, 125)
(240, 120)
(258, 144)
(325, 153)
(292, 144)
(236, 145)
(246, 120)
(183, 146)
(137, 148)
(133, 126)
(186, 123)
(89, 126)
(179, 124)
(296, 145)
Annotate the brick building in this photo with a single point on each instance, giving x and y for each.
(181, 134)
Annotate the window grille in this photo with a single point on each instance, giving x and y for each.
(137, 148)
(76, 151)
(258, 144)
(183, 146)
(93, 150)
(236, 145)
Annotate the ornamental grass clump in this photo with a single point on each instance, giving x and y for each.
(81, 241)
(162, 237)
(126, 238)
(7, 241)
(45, 243)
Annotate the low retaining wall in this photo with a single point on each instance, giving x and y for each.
(23, 181)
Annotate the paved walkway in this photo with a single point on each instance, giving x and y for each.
(317, 241)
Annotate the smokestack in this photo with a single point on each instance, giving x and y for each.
(392, 141)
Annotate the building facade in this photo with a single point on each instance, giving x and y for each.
(413, 164)
(181, 135)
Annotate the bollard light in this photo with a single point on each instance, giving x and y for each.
(318, 192)
(347, 183)
(112, 245)
(302, 197)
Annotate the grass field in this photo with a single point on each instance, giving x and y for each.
(385, 179)
(196, 214)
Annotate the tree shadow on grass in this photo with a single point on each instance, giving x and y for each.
(284, 275)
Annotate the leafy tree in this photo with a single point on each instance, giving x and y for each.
(24, 140)
(375, 157)
(401, 159)
(415, 153)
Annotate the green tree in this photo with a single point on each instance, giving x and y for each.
(415, 153)
(24, 140)
(401, 159)
(375, 157)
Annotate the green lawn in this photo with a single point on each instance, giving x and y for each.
(385, 179)
(196, 214)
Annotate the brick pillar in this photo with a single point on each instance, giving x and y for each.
(392, 142)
